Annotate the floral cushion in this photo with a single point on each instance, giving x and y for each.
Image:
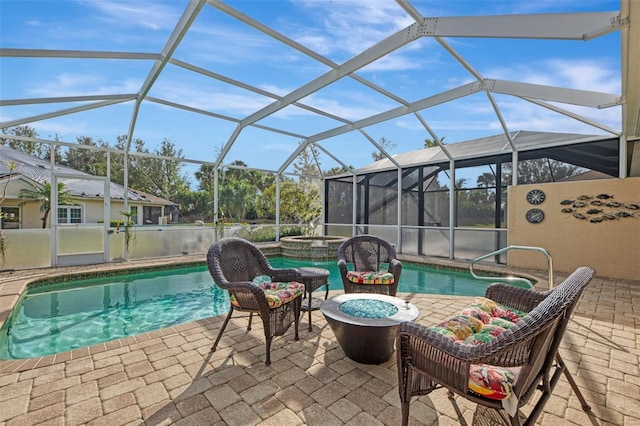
(277, 293)
(370, 277)
(491, 381)
(477, 324)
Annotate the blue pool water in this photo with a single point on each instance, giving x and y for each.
(64, 316)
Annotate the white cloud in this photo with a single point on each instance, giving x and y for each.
(152, 15)
(342, 29)
(80, 84)
(226, 103)
(584, 74)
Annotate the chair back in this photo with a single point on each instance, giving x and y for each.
(235, 260)
(535, 339)
(366, 252)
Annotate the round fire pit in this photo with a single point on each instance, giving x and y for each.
(365, 324)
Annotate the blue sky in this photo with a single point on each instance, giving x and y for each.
(338, 30)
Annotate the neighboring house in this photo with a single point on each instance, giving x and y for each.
(87, 190)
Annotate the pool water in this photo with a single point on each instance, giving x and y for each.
(64, 316)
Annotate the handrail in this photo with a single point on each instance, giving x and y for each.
(518, 279)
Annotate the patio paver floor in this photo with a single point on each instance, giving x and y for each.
(169, 376)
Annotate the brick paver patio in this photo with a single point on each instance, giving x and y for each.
(170, 377)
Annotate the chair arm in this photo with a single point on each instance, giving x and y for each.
(285, 275)
(395, 266)
(515, 297)
(342, 265)
(248, 295)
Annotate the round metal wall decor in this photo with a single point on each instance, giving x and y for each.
(536, 196)
(535, 215)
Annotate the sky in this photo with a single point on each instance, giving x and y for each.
(337, 30)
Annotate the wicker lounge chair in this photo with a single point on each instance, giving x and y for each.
(254, 286)
(360, 260)
(511, 365)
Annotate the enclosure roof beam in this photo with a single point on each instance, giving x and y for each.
(76, 54)
(62, 112)
(554, 94)
(559, 26)
(574, 116)
(220, 116)
(33, 101)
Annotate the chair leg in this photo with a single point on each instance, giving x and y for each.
(296, 311)
(309, 308)
(250, 318)
(405, 413)
(544, 397)
(268, 351)
(574, 385)
(515, 420)
(224, 325)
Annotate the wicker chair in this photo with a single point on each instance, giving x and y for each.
(234, 264)
(429, 360)
(359, 261)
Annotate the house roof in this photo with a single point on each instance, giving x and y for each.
(39, 171)
(523, 142)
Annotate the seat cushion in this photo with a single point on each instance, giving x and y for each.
(491, 381)
(370, 277)
(277, 293)
(478, 324)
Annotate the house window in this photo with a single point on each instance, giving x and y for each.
(69, 214)
(151, 214)
(10, 218)
(134, 214)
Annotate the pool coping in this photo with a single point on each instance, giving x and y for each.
(13, 288)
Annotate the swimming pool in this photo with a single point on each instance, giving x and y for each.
(59, 317)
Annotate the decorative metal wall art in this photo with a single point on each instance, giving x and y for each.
(599, 208)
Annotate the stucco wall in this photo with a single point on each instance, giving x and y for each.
(611, 247)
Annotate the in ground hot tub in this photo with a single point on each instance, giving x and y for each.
(319, 248)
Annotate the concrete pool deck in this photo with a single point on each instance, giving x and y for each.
(169, 376)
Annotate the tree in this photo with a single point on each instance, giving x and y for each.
(296, 204)
(385, 144)
(3, 244)
(42, 194)
(307, 163)
(136, 174)
(237, 197)
(206, 179)
(430, 143)
(86, 160)
(36, 149)
(486, 180)
(162, 177)
(541, 170)
(338, 170)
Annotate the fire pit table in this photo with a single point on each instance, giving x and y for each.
(365, 324)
